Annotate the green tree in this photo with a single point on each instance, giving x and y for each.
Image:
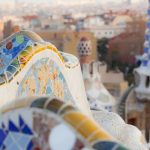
(115, 62)
(102, 48)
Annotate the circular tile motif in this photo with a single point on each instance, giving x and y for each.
(81, 123)
(19, 39)
(35, 129)
(9, 45)
(65, 134)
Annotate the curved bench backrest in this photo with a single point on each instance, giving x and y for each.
(30, 66)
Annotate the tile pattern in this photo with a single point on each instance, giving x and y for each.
(70, 60)
(9, 63)
(16, 51)
(84, 47)
(14, 137)
(10, 50)
(105, 145)
(35, 129)
(115, 126)
(146, 56)
(36, 132)
(45, 78)
(83, 125)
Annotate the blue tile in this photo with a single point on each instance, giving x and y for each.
(21, 122)
(30, 146)
(146, 49)
(27, 130)
(24, 141)
(12, 147)
(12, 127)
(2, 137)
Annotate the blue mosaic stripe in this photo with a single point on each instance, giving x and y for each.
(145, 63)
(22, 133)
(11, 50)
(146, 49)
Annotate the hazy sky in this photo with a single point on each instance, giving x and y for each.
(66, 0)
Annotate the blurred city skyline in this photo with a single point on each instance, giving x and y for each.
(64, 1)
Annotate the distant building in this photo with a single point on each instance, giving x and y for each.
(67, 40)
(103, 88)
(32, 21)
(106, 31)
(98, 97)
(93, 21)
(124, 47)
(122, 21)
(102, 29)
(1, 30)
(135, 104)
(113, 81)
(8, 29)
